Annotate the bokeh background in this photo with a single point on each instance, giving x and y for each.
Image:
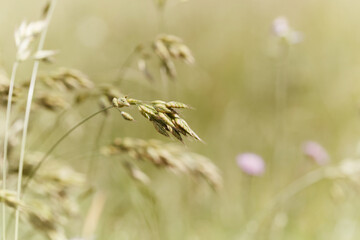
(233, 88)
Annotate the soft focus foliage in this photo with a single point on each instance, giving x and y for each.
(262, 77)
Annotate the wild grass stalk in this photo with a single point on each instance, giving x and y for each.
(6, 141)
(47, 154)
(50, 12)
(162, 114)
(166, 118)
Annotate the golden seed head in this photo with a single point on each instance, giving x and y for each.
(158, 102)
(143, 113)
(67, 79)
(160, 107)
(166, 119)
(122, 102)
(161, 50)
(170, 39)
(168, 155)
(115, 102)
(126, 116)
(176, 134)
(174, 104)
(169, 67)
(147, 109)
(132, 101)
(160, 128)
(51, 102)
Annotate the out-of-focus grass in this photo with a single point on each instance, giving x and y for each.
(232, 87)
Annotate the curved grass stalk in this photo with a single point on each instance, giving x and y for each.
(47, 154)
(27, 112)
(6, 141)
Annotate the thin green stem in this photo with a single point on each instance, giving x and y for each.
(27, 113)
(47, 154)
(6, 142)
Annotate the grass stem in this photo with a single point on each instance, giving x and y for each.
(27, 113)
(6, 142)
(47, 154)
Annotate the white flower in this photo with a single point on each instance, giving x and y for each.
(282, 29)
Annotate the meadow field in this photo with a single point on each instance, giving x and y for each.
(180, 120)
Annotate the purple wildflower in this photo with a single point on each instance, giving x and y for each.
(251, 163)
(316, 152)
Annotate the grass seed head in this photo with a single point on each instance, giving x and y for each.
(25, 35)
(126, 116)
(160, 107)
(160, 128)
(174, 104)
(45, 55)
(176, 134)
(165, 118)
(136, 173)
(67, 79)
(51, 102)
(170, 156)
(122, 102)
(149, 111)
(10, 199)
(132, 101)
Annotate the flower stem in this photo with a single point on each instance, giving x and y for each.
(27, 113)
(47, 154)
(6, 142)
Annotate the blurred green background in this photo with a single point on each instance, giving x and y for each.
(232, 86)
